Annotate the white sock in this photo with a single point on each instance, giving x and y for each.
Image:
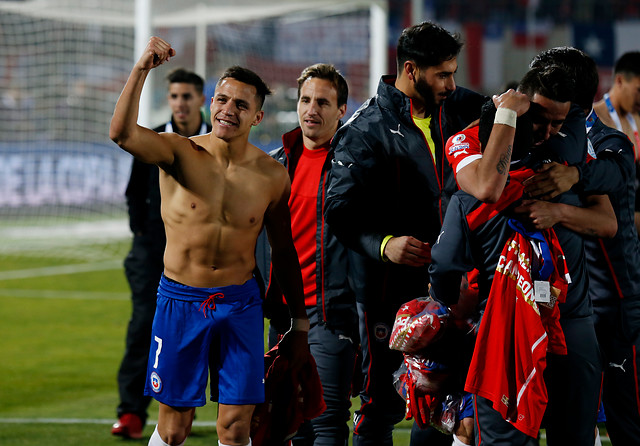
(457, 442)
(598, 442)
(156, 439)
(222, 444)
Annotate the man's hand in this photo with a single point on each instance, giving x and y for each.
(551, 180)
(155, 54)
(513, 100)
(294, 346)
(408, 250)
(541, 214)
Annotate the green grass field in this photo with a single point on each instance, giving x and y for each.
(62, 336)
(62, 340)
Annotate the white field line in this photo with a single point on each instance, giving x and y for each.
(60, 294)
(84, 421)
(62, 269)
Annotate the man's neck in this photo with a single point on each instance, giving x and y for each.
(311, 144)
(189, 129)
(418, 106)
(233, 150)
(614, 97)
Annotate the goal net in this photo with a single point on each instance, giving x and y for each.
(63, 64)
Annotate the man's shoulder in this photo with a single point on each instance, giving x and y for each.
(367, 121)
(603, 113)
(465, 98)
(266, 163)
(462, 146)
(602, 135)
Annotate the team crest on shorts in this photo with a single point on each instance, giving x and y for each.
(156, 382)
(381, 331)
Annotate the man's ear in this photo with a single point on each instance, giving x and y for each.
(259, 117)
(343, 111)
(410, 69)
(617, 80)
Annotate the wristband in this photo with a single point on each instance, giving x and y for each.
(300, 325)
(506, 116)
(383, 245)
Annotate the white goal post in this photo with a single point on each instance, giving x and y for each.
(63, 64)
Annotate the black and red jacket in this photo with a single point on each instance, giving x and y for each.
(335, 301)
(614, 264)
(384, 181)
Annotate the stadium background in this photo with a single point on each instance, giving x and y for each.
(63, 64)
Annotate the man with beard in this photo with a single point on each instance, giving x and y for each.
(389, 189)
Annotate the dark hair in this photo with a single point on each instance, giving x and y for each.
(427, 44)
(523, 139)
(327, 72)
(628, 64)
(182, 76)
(248, 77)
(578, 66)
(551, 81)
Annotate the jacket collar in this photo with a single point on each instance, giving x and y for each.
(292, 141)
(392, 98)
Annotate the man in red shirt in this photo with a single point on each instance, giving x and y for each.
(329, 300)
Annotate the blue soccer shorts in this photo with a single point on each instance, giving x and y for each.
(200, 330)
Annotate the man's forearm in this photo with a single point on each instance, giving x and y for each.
(125, 115)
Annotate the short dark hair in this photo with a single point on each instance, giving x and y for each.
(628, 64)
(550, 81)
(182, 76)
(327, 72)
(427, 44)
(248, 77)
(523, 139)
(578, 66)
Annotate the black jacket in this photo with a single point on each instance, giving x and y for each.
(384, 182)
(335, 301)
(614, 264)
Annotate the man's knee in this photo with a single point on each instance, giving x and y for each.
(234, 423)
(169, 438)
(174, 425)
(236, 432)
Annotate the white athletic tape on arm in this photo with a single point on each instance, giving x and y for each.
(506, 116)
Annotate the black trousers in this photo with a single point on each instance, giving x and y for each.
(143, 268)
(618, 331)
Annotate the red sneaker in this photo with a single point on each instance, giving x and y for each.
(128, 426)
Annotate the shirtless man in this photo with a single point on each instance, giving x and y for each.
(217, 192)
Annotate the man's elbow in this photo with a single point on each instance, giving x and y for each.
(488, 194)
(117, 132)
